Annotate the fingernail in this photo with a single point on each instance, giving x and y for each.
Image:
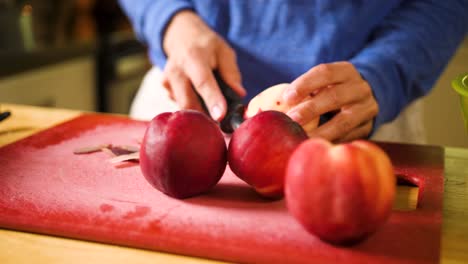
(243, 90)
(289, 95)
(216, 112)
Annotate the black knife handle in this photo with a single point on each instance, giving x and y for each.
(232, 98)
(4, 115)
(235, 109)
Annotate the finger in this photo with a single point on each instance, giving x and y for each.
(170, 94)
(359, 132)
(319, 76)
(329, 99)
(166, 84)
(204, 82)
(165, 80)
(345, 121)
(183, 92)
(229, 70)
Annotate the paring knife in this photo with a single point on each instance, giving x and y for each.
(235, 109)
(4, 115)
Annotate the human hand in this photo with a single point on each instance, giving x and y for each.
(328, 88)
(194, 51)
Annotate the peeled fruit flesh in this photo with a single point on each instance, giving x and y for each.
(340, 193)
(183, 154)
(269, 99)
(272, 99)
(260, 148)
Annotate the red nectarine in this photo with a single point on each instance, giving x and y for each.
(183, 153)
(260, 148)
(340, 193)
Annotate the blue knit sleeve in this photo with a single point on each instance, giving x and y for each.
(409, 50)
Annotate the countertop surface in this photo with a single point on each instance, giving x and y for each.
(21, 247)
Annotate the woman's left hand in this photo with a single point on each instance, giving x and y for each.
(333, 87)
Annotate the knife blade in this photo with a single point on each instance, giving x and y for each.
(4, 115)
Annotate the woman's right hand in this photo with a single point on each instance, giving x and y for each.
(194, 51)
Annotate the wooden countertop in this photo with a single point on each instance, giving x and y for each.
(21, 247)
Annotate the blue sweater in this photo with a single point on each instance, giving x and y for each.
(399, 47)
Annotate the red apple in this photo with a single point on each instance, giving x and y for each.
(341, 193)
(260, 148)
(272, 99)
(183, 153)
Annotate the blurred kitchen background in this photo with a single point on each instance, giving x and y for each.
(78, 54)
(82, 54)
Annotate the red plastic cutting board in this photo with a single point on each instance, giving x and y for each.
(45, 188)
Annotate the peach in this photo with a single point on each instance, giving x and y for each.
(260, 148)
(183, 153)
(272, 99)
(341, 193)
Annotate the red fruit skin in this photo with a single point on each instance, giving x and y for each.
(260, 148)
(183, 154)
(340, 193)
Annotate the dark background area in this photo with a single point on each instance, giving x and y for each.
(41, 33)
(58, 22)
